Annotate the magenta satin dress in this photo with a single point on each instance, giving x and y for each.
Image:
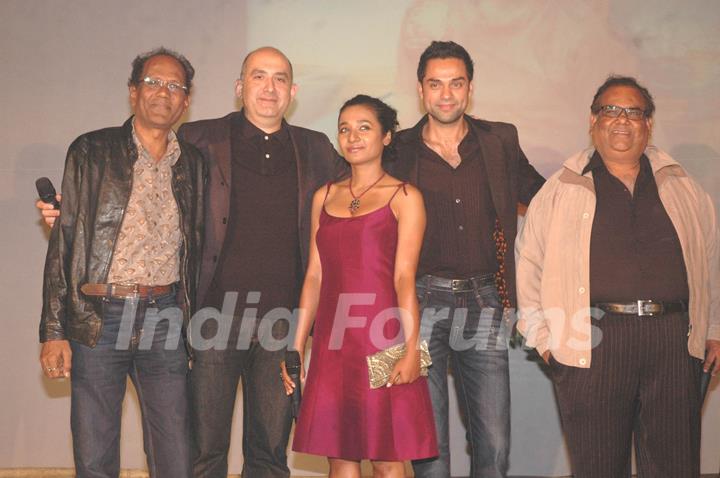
(340, 416)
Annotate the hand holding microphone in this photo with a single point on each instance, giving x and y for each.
(292, 374)
(47, 192)
(48, 204)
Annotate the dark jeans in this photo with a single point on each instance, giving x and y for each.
(159, 374)
(468, 330)
(266, 411)
(642, 382)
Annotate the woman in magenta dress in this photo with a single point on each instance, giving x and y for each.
(359, 288)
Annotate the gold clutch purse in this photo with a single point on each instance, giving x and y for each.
(380, 364)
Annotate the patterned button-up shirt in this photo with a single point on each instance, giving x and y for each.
(147, 251)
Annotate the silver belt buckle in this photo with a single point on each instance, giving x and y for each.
(648, 308)
(461, 285)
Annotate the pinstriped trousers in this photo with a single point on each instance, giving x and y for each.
(642, 383)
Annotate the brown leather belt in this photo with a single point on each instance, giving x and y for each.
(643, 308)
(124, 291)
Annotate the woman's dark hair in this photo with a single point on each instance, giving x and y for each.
(138, 65)
(386, 115)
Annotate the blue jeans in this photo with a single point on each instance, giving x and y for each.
(467, 328)
(158, 371)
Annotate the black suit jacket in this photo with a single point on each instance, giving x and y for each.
(317, 163)
(512, 179)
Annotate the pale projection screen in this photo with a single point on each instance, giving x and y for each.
(538, 63)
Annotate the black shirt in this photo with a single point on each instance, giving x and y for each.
(261, 250)
(635, 252)
(458, 242)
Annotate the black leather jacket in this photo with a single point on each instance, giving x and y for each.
(96, 189)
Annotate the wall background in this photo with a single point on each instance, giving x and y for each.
(64, 67)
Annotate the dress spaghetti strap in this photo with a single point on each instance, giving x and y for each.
(402, 186)
(327, 191)
(396, 423)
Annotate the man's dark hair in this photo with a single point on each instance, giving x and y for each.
(138, 65)
(617, 80)
(386, 114)
(442, 50)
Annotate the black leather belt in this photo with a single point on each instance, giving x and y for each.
(458, 285)
(643, 308)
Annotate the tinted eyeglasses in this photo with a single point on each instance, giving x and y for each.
(613, 111)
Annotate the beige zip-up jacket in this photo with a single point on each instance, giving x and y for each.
(553, 258)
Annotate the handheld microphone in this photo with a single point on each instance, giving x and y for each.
(46, 191)
(292, 365)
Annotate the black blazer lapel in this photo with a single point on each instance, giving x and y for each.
(493, 155)
(221, 150)
(302, 170)
(405, 152)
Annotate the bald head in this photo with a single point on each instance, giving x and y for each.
(265, 50)
(266, 88)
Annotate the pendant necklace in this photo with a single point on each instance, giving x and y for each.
(355, 203)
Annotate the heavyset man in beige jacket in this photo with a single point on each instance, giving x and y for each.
(623, 365)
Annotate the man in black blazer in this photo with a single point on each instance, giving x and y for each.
(473, 176)
(262, 173)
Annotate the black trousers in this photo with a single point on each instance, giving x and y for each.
(642, 383)
(266, 411)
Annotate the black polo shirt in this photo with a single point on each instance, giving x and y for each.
(261, 252)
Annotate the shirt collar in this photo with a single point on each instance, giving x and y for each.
(468, 144)
(659, 161)
(418, 129)
(172, 153)
(249, 131)
(596, 163)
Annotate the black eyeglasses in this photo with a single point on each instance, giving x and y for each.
(613, 111)
(172, 86)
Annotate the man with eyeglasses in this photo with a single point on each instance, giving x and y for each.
(121, 273)
(262, 173)
(618, 275)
